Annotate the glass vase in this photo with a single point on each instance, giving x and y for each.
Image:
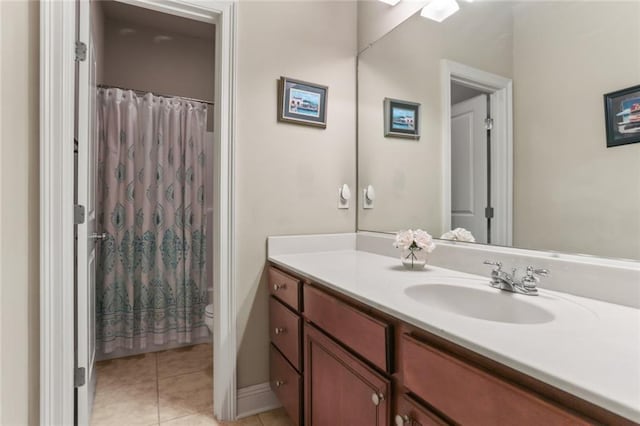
(414, 258)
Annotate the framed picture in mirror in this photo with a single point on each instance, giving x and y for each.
(302, 103)
(401, 119)
(622, 116)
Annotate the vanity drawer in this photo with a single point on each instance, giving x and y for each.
(410, 413)
(366, 335)
(469, 395)
(285, 287)
(286, 383)
(285, 329)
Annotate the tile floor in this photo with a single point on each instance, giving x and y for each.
(173, 387)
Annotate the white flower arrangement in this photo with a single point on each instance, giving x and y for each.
(415, 240)
(459, 234)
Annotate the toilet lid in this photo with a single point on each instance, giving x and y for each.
(209, 310)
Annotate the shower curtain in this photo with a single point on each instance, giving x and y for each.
(151, 286)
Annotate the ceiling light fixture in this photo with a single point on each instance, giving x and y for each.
(439, 10)
(390, 2)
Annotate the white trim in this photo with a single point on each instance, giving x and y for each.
(502, 143)
(256, 399)
(1, 210)
(57, 37)
(196, 11)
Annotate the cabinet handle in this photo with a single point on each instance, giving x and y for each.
(402, 420)
(279, 383)
(376, 398)
(277, 287)
(280, 330)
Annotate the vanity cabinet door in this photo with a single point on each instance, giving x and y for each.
(339, 389)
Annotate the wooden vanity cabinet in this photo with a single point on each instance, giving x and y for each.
(341, 390)
(338, 362)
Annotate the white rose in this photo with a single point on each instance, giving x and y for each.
(404, 239)
(459, 234)
(424, 240)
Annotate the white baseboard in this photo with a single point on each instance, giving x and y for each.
(256, 399)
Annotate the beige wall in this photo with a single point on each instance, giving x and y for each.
(19, 215)
(180, 66)
(405, 65)
(137, 59)
(572, 193)
(288, 176)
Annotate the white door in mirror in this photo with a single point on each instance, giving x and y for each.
(369, 197)
(344, 195)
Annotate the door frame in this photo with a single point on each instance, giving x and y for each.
(57, 67)
(501, 110)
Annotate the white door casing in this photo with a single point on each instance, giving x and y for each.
(501, 89)
(86, 245)
(469, 167)
(57, 45)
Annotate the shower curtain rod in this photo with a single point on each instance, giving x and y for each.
(144, 92)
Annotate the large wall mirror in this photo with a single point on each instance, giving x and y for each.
(509, 140)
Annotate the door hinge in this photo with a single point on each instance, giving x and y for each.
(78, 214)
(488, 212)
(79, 377)
(81, 51)
(488, 123)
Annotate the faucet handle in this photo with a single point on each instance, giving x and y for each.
(497, 264)
(531, 271)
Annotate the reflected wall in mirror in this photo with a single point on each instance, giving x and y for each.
(513, 139)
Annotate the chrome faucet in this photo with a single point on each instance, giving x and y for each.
(528, 284)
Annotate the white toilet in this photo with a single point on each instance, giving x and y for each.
(208, 317)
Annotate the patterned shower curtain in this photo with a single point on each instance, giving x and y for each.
(151, 285)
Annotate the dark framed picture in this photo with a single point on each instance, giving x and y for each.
(401, 119)
(303, 103)
(622, 116)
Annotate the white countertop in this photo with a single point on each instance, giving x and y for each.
(591, 349)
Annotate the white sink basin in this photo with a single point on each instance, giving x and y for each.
(483, 303)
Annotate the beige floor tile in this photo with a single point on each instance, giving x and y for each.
(247, 421)
(184, 360)
(122, 371)
(193, 420)
(276, 417)
(129, 404)
(186, 394)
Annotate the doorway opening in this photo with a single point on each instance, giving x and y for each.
(477, 153)
(471, 161)
(144, 178)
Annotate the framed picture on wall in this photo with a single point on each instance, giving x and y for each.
(303, 103)
(622, 116)
(401, 119)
